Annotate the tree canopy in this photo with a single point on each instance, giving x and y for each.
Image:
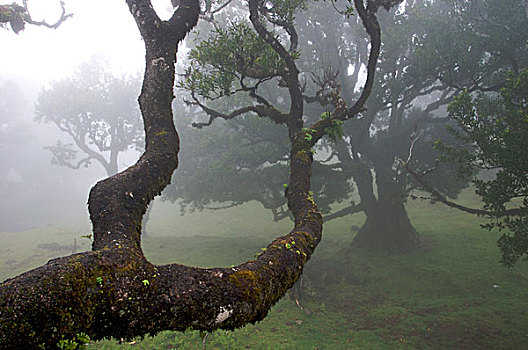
(418, 75)
(484, 80)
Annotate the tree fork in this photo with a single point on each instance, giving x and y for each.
(113, 291)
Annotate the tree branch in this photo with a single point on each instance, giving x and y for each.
(260, 110)
(288, 27)
(63, 17)
(17, 16)
(354, 208)
(341, 110)
(443, 199)
(291, 74)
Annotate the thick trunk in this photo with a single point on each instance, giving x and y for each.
(387, 225)
(113, 291)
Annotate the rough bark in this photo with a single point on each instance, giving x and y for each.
(113, 291)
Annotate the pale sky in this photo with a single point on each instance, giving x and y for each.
(103, 27)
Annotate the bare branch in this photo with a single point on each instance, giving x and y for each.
(414, 138)
(264, 111)
(232, 205)
(63, 17)
(352, 209)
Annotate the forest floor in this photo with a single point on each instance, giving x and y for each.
(450, 293)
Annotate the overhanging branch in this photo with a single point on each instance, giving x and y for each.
(438, 196)
(352, 209)
(63, 17)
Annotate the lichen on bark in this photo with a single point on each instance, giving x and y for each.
(113, 291)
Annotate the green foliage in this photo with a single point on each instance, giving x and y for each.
(284, 10)
(335, 131)
(496, 126)
(228, 56)
(79, 342)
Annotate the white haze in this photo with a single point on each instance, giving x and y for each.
(33, 59)
(98, 27)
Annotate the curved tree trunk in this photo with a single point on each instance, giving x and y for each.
(113, 291)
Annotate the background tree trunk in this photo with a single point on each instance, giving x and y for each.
(387, 225)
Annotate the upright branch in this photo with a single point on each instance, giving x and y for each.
(290, 71)
(342, 111)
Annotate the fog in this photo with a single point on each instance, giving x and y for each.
(33, 191)
(396, 268)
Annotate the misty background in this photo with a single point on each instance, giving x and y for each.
(448, 285)
(33, 192)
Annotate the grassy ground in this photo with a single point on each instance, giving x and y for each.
(451, 293)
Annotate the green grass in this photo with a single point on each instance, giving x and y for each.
(451, 293)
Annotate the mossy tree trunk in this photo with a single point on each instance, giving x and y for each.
(113, 291)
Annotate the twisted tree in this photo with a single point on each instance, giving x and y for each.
(113, 291)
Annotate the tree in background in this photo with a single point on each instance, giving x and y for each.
(222, 165)
(98, 111)
(418, 75)
(12, 106)
(13, 132)
(489, 116)
(330, 61)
